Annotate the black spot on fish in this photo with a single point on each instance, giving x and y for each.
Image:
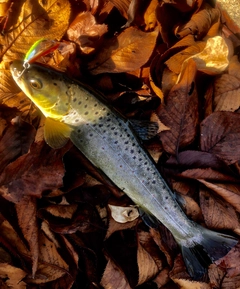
(112, 128)
(134, 157)
(132, 151)
(126, 142)
(79, 102)
(108, 119)
(95, 104)
(85, 106)
(116, 142)
(100, 125)
(54, 83)
(104, 109)
(153, 182)
(145, 163)
(74, 100)
(96, 112)
(66, 103)
(91, 134)
(140, 160)
(108, 114)
(77, 120)
(166, 198)
(86, 113)
(115, 133)
(78, 130)
(100, 118)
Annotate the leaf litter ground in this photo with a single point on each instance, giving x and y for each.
(152, 62)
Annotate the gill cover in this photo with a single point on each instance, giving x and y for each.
(48, 92)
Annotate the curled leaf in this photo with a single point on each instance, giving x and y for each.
(199, 23)
(124, 214)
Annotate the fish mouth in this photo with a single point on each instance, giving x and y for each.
(17, 67)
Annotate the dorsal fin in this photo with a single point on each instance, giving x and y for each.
(56, 133)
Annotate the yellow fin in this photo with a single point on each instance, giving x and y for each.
(56, 133)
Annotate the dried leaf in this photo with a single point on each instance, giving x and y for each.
(86, 32)
(123, 214)
(229, 192)
(179, 112)
(26, 212)
(48, 19)
(148, 258)
(113, 277)
(150, 15)
(207, 174)
(220, 136)
(124, 53)
(13, 276)
(199, 23)
(227, 87)
(122, 6)
(15, 141)
(21, 177)
(217, 213)
(51, 266)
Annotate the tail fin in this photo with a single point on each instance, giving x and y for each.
(212, 247)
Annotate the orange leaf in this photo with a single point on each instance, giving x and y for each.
(125, 52)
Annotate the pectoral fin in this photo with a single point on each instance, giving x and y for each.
(56, 133)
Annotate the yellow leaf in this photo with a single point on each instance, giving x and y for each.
(126, 52)
(37, 19)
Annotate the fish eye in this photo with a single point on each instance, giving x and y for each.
(36, 83)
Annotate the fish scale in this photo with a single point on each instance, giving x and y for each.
(109, 141)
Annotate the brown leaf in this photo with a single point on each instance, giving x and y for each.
(229, 192)
(21, 177)
(227, 88)
(217, 213)
(13, 276)
(148, 258)
(113, 226)
(26, 212)
(196, 159)
(51, 266)
(220, 135)
(207, 174)
(86, 32)
(122, 6)
(113, 277)
(15, 141)
(125, 52)
(230, 262)
(219, 279)
(180, 112)
(199, 23)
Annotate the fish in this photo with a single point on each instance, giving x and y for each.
(75, 111)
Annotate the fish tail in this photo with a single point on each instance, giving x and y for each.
(211, 247)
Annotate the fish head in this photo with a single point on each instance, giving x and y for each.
(45, 87)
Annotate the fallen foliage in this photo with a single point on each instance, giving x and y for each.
(65, 225)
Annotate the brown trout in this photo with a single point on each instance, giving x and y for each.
(75, 111)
